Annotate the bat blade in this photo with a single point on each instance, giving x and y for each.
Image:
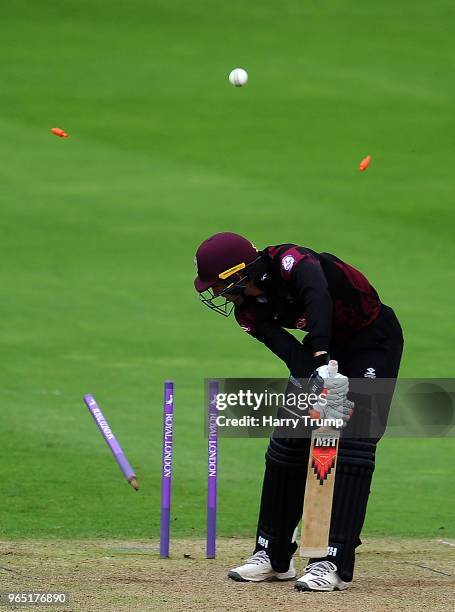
(317, 505)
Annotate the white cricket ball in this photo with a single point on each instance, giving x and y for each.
(238, 77)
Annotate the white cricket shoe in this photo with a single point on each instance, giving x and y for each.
(321, 576)
(258, 569)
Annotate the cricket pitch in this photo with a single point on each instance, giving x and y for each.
(119, 575)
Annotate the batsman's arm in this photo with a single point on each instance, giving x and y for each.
(310, 283)
(298, 358)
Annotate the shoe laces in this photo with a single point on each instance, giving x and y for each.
(258, 558)
(320, 568)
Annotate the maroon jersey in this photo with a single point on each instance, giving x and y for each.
(315, 292)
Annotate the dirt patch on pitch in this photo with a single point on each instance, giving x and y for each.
(117, 576)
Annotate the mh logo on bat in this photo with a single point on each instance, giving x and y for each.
(326, 441)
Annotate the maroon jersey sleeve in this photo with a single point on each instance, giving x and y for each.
(303, 271)
(285, 346)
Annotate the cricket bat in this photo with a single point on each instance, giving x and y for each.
(317, 504)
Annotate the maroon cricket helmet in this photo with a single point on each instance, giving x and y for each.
(220, 256)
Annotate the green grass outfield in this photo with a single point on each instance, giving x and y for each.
(98, 233)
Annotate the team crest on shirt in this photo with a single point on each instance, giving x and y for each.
(287, 262)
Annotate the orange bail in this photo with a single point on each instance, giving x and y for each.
(365, 163)
(59, 132)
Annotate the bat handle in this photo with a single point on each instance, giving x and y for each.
(333, 368)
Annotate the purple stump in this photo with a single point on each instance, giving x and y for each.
(166, 470)
(111, 440)
(212, 473)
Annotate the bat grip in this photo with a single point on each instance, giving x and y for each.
(333, 368)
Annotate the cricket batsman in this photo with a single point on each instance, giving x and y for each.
(287, 286)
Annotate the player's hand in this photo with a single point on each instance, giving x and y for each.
(337, 385)
(343, 411)
(333, 390)
(321, 379)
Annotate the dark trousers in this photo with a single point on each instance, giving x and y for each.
(375, 352)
